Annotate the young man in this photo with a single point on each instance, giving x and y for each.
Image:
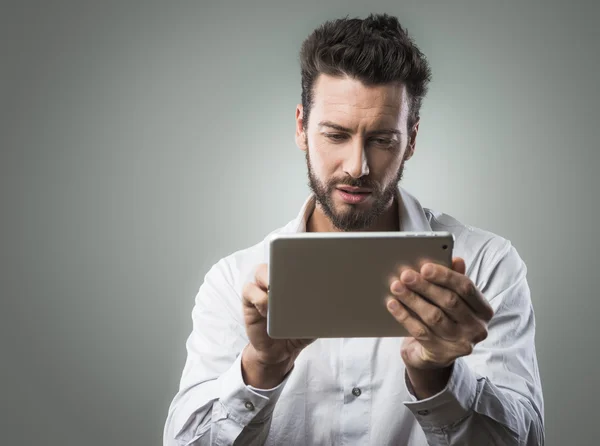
(468, 375)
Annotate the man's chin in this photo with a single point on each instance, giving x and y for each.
(351, 216)
(345, 211)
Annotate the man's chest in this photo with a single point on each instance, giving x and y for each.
(345, 391)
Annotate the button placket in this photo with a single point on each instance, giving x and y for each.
(356, 384)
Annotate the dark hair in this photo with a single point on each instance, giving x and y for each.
(375, 50)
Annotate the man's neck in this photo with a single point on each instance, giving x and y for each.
(388, 221)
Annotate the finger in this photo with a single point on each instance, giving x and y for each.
(445, 299)
(413, 326)
(432, 316)
(461, 285)
(262, 276)
(458, 265)
(255, 297)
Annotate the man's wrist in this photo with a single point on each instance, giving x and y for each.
(261, 375)
(428, 382)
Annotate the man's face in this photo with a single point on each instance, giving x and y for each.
(356, 144)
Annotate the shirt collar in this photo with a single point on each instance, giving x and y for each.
(411, 214)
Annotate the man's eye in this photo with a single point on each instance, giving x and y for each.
(383, 141)
(335, 137)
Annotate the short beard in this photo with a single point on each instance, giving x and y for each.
(353, 219)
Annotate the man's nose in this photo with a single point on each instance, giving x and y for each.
(356, 163)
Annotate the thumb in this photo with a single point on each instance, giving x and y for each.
(458, 265)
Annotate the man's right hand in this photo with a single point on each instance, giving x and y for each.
(265, 361)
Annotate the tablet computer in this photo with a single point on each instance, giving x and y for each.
(335, 285)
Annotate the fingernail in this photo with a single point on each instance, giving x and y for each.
(427, 270)
(393, 304)
(398, 287)
(409, 277)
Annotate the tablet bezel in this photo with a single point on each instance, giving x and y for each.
(360, 263)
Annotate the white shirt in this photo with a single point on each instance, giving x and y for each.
(354, 391)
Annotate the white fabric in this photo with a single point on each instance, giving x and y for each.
(494, 396)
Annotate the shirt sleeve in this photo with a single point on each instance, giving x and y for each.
(213, 405)
(494, 395)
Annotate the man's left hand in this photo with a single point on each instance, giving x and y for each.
(445, 314)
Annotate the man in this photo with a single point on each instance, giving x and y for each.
(467, 375)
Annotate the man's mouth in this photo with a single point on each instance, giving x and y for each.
(353, 195)
(354, 190)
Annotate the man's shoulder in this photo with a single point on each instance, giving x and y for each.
(476, 245)
(441, 221)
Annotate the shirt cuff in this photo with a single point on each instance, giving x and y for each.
(243, 403)
(268, 392)
(453, 403)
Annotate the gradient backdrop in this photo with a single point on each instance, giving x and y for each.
(141, 142)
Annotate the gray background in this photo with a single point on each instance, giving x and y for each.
(140, 143)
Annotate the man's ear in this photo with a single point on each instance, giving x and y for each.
(412, 141)
(300, 133)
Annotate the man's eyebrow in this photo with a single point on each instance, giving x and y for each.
(341, 128)
(334, 126)
(393, 131)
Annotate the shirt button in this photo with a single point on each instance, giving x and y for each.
(249, 405)
(423, 412)
(356, 391)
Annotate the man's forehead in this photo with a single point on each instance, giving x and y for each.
(348, 95)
